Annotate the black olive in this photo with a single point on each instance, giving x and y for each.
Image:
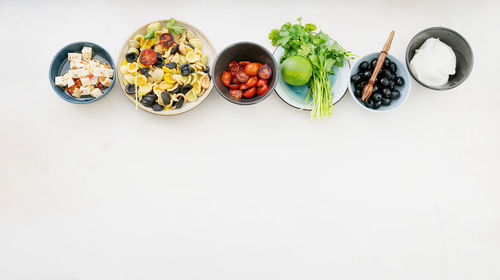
(358, 92)
(180, 102)
(206, 70)
(364, 66)
(386, 93)
(384, 82)
(157, 107)
(395, 94)
(185, 88)
(369, 103)
(367, 74)
(387, 62)
(184, 69)
(393, 67)
(356, 78)
(177, 90)
(171, 65)
(400, 81)
(388, 74)
(377, 104)
(386, 101)
(392, 84)
(375, 88)
(130, 89)
(189, 45)
(131, 57)
(159, 61)
(166, 97)
(360, 85)
(373, 63)
(151, 96)
(377, 97)
(145, 71)
(147, 102)
(175, 49)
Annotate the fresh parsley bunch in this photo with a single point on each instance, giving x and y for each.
(322, 53)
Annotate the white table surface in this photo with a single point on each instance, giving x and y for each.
(102, 191)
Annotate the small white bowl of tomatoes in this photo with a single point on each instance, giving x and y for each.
(245, 73)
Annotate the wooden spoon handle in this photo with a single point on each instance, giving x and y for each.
(378, 66)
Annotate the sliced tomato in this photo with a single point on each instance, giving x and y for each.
(265, 72)
(242, 77)
(244, 86)
(252, 69)
(236, 93)
(243, 64)
(167, 40)
(249, 93)
(233, 67)
(147, 57)
(234, 86)
(234, 80)
(261, 90)
(252, 82)
(261, 82)
(226, 78)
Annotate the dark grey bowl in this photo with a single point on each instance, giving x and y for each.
(60, 64)
(243, 51)
(462, 49)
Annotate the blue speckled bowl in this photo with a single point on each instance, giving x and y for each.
(402, 71)
(60, 65)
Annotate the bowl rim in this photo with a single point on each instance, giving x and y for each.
(212, 72)
(176, 111)
(307, 109)
(441, 88)
(408, 84)
(72, 99)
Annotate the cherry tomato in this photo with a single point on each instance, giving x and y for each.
(261, 90)
(261, 83)
(78, 83)
(167, 40)
(147, 57)
(226, 78)
(252, 82)
(234, 86)
(265, 72)
(243, 64)
(234, 80)
(71, 89)
(244, 86)
(233, 67)
(252, 69)
(249, 93)
(236, 93)
(242, 77)
(100, 86)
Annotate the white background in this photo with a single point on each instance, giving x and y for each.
(102, 191)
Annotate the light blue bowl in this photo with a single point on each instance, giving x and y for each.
(402, 71)
(60, 65)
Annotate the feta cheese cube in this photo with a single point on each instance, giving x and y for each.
(74, 57)
(106, 82)
(66, 76)
(76, 64)
(77, 93)
(85, 90)
(87, 53)
(85, 81)
(73, 73)
(94, 80)
(97, 71)
(60, 82)
(96, 92)
(108, 72)
(82, 72)
(70, 82)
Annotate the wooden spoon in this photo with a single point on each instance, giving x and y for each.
(368, 89)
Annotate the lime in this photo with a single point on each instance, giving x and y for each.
(296, 70)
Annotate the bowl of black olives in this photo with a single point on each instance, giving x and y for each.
(391, 89)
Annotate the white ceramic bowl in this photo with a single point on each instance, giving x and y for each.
(402, 71)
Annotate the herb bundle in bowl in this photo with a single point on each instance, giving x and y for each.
(322, 53)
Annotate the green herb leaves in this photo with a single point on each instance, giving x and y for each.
(322, 53)
(173, 28)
